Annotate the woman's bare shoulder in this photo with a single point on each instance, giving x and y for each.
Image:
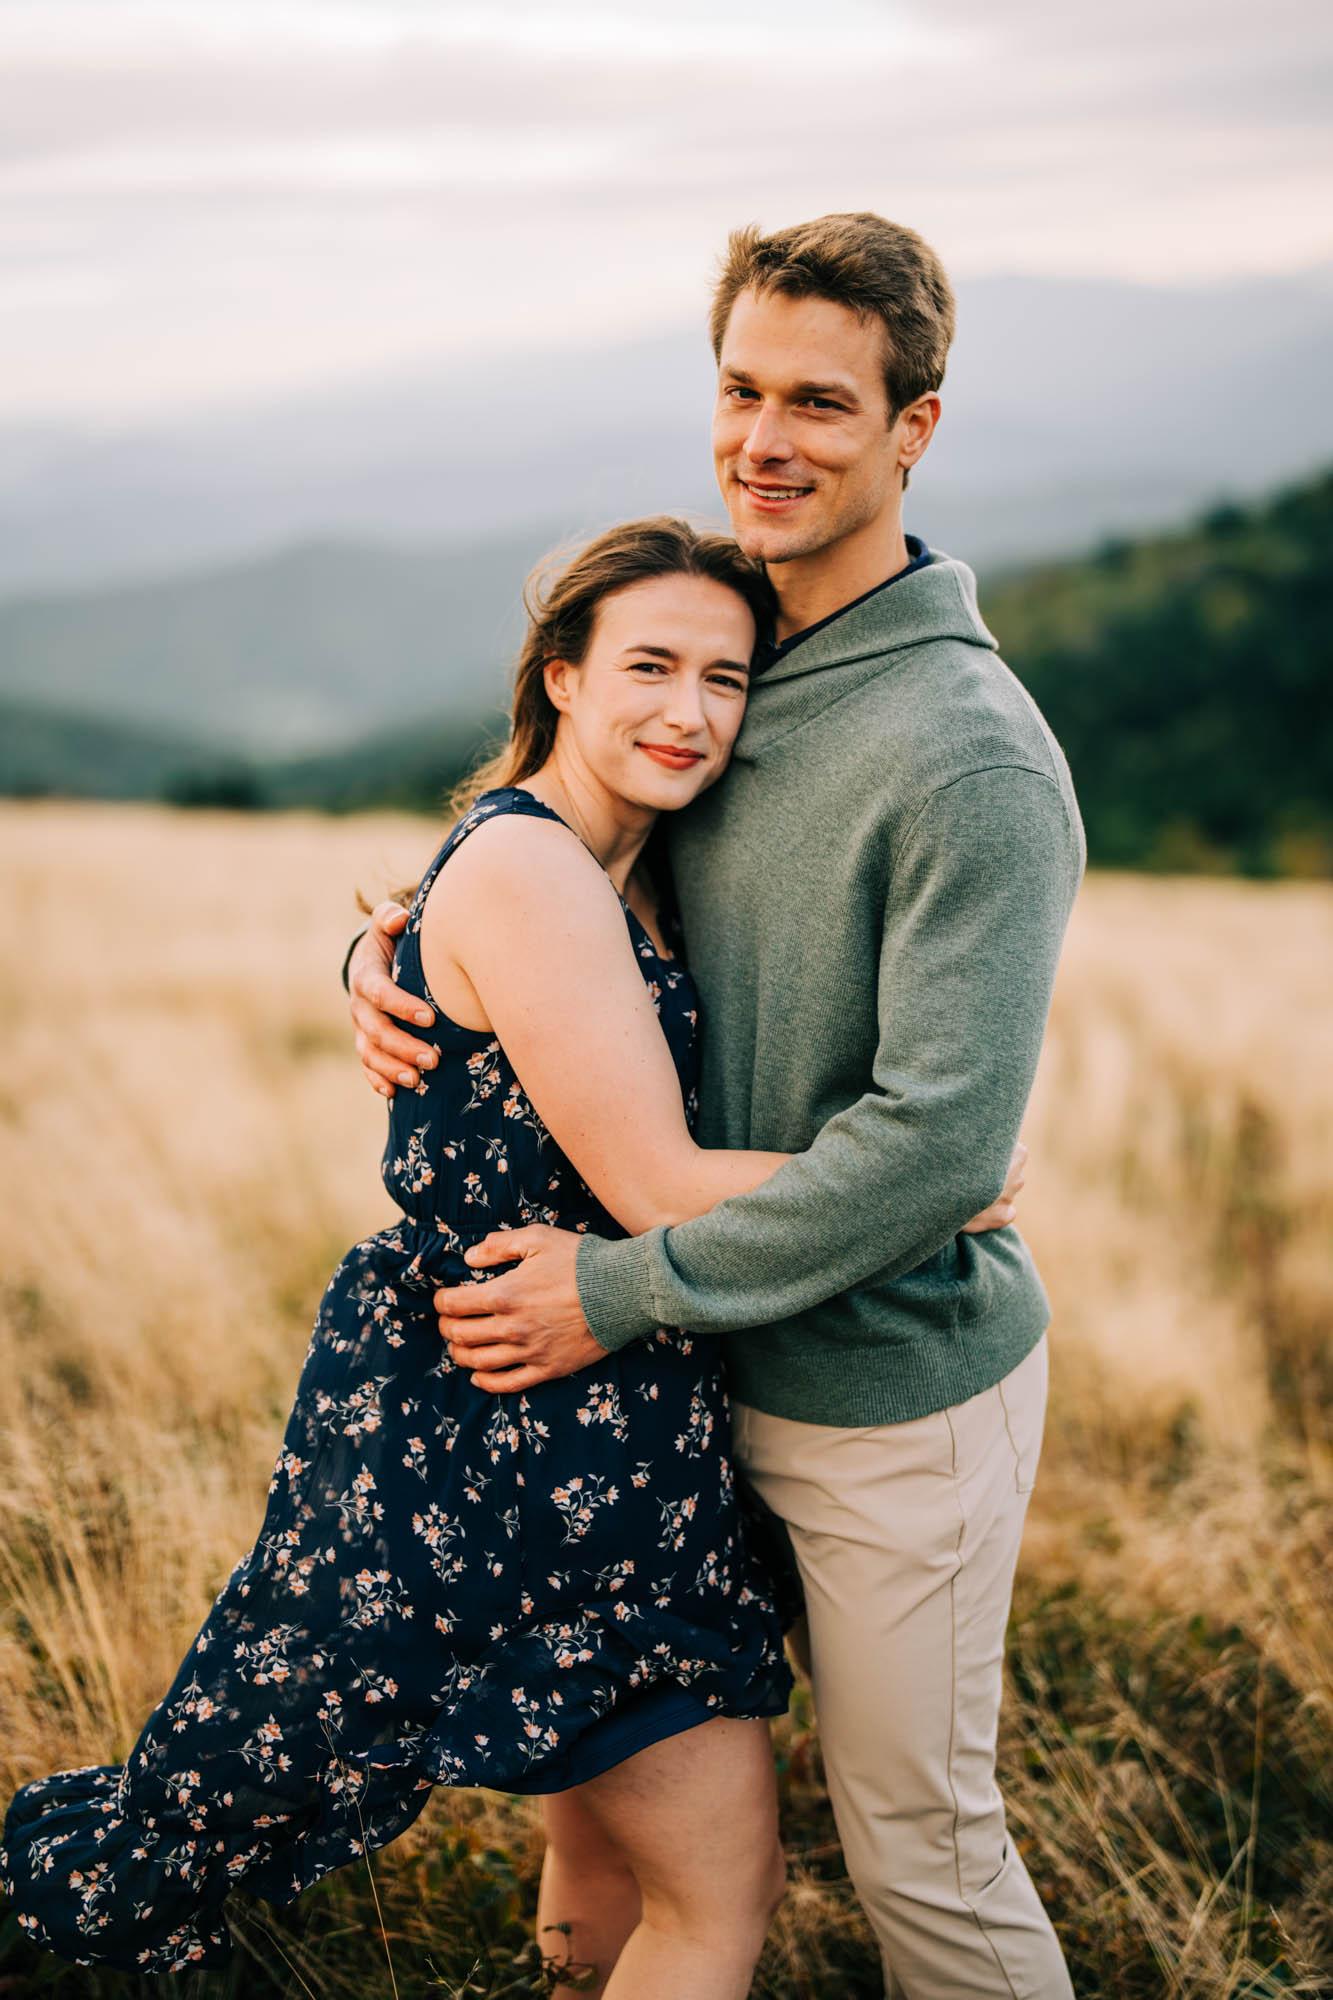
(522, 860)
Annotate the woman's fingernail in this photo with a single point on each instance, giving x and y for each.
(406, 1076)
(424, 1018)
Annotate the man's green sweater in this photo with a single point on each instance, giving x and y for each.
(873, 900)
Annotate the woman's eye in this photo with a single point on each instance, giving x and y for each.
(647, 667)
(726, 681)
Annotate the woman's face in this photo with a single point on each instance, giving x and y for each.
(653, 709)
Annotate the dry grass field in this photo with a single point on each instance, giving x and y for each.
(188, 1148)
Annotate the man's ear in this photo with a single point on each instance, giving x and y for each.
(556, 674)
(916, 427)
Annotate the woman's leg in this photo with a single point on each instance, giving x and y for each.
(588, 1889)
(696, 1819)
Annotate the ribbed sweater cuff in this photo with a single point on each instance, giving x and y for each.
(615, 1289)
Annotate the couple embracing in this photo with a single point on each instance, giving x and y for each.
(707, 1035)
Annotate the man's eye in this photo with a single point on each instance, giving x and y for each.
(823, 403)
(742, 394)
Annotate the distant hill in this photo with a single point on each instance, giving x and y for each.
(48, 753)
(1074, 408)
(1190, 680)
(287, 654)
(85, 756)
(413, 770)
(1187, 675)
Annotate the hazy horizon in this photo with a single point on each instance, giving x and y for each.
(203, 208)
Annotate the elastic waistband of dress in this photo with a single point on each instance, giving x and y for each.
(434, 1249)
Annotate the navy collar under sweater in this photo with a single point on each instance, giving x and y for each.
(769, 650)
(932, 601)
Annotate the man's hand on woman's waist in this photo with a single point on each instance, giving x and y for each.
(526, 1326)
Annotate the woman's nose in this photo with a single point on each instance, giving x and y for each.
(684, 706)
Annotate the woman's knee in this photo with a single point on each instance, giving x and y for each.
(734, 1900)
(697, 1817)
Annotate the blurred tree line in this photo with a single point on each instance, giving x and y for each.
(1188, 679)
(1187, 676)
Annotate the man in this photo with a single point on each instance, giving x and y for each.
(873, 900)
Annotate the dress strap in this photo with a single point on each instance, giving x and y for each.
(506, 799)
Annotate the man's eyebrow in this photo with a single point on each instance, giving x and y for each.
(842, 389)
(798, 389)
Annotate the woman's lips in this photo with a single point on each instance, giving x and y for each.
(674, 760)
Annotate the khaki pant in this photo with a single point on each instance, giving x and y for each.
(906, 1536)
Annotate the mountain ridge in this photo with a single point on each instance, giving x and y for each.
(1187, 676)
(1067, 403)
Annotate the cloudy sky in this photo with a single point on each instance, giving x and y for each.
(217, 202)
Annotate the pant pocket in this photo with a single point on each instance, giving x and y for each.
(1023, 1400)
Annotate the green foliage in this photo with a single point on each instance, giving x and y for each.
(411, 770)
(45, 751)
(229, 785)
(1188, 679)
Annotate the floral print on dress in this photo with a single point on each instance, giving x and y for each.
(448, 1587)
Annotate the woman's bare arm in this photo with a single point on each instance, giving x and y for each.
(525, 914)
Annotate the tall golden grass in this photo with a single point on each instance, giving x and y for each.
(188, 1148)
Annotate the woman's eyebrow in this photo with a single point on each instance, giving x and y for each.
(665, 653)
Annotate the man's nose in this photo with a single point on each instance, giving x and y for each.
(767, 437)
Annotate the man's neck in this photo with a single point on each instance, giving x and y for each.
(813, 587)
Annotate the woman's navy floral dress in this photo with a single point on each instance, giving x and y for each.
(449, 1587)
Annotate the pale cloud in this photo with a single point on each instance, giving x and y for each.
(207, 202)
(371, 164)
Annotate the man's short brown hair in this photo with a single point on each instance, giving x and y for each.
(877, 268)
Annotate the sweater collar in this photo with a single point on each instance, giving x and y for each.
(770, 650)
(936, 601)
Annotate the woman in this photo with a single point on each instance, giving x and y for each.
(546, 1592)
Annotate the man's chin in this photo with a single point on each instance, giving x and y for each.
(772, 545)
(769, 541)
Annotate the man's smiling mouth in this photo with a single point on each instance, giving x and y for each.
(774, 495)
